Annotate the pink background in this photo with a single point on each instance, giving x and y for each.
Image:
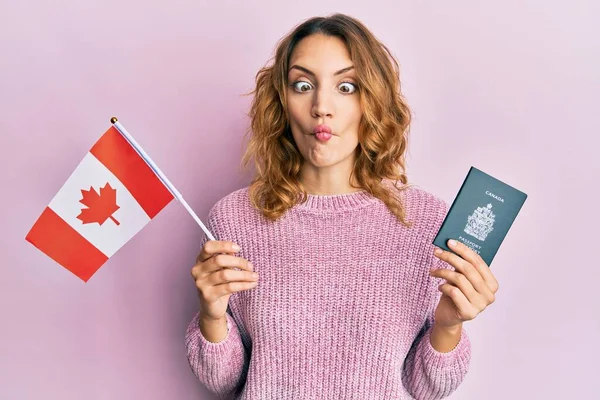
(507, 86)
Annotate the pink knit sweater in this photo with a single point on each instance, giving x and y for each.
(343, 308)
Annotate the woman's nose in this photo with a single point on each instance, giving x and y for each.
(322, 106)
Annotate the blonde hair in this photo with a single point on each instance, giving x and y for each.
(383, 130)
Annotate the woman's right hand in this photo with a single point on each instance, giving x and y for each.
(218, 274)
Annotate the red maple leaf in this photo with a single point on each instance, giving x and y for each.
(100, 206)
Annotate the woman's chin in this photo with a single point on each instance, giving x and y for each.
(323, 163)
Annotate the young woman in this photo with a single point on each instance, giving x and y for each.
(350, 301)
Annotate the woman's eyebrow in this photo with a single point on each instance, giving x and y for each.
(306, 70)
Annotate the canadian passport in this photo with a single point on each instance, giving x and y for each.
(481, 214)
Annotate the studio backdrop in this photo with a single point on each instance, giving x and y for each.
(509, 87)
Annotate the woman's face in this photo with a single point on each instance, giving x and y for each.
(322, 90)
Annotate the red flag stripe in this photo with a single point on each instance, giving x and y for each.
(113, 150)
(52, 235)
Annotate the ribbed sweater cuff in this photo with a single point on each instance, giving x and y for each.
(223, 344)
(217, 365)
(230, 346)
(459, 357)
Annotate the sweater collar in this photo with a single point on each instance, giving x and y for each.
(334, 202)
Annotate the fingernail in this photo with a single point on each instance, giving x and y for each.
(438, 251)
(452, 242)
(236, 247)
(250, 265)
(254, 275)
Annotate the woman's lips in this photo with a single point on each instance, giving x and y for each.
(322, 136)
(322, 128)
(322, 132)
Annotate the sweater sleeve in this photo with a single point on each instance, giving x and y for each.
(218, 366)
(428, 373)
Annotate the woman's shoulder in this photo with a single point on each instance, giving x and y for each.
(415, 198)
(425, 208)
(230, 212)
(232, 203)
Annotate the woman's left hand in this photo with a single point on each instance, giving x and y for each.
(468, 290)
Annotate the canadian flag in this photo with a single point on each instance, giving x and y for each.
(112, 194)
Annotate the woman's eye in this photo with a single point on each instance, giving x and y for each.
(302, 86)
(347, 87)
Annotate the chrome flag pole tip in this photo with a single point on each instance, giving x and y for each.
(113, 120)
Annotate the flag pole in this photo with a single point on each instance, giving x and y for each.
(160, 174)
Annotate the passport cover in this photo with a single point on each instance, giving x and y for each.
(481, 214)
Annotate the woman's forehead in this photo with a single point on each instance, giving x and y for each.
(321, 51)
(323, 65)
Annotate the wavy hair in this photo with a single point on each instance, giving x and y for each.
(383, 129)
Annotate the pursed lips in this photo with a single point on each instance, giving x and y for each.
(322, 128)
